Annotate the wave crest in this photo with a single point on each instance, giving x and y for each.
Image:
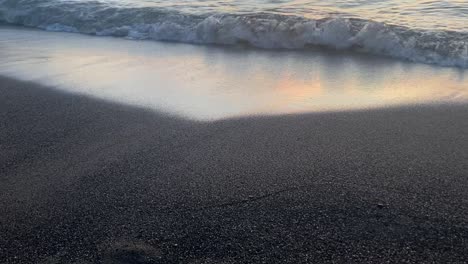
(262, 30)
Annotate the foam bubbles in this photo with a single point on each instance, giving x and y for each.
(261, 30)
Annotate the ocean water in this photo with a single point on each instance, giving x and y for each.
(425, 31)
(204, 82)
(252, 57)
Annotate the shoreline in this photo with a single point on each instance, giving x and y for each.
(213, 83)
(83, 181)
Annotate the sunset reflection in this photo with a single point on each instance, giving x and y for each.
(188, 81)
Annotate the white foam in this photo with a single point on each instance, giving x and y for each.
(262, 30)
(61, 28)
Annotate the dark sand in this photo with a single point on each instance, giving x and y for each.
(87, 181)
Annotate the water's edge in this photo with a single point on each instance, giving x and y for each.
(260, 30)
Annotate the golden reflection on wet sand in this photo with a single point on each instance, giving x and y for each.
(213, 82)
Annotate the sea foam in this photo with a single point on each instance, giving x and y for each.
(261, 30)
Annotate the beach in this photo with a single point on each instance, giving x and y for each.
(86, 180)
(218, 131)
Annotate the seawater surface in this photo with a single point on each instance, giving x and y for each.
(209, 83)
(424, 31)
(427, 14)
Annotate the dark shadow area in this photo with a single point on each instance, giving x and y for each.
(88, 181)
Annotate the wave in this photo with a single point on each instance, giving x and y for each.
(261, 30)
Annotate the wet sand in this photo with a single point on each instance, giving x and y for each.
(88, 181)
(215, 82)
